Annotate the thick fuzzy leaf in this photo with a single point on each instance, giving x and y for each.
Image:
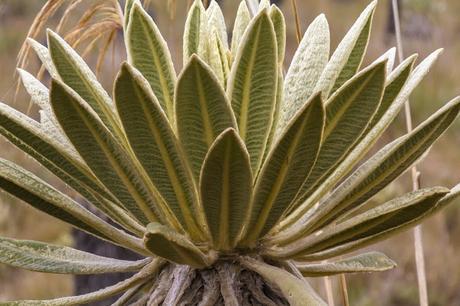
(287, 167)
(279, 24)
(103, 153)
(349, 54)
(393, 88)
(276, 116)
(348, 114)
(395, 224)
(297, 291)
(42, 257)
(226, 188)
(148, 52)
(76, 74)
(385, 166)
(390, 57)
(172, 246)
(243, 18)
(252, 86)
(362, 263)
(36, 90)
(147, 273)
(373, 222)
(193, 41)
(217, 56)
(264, 4)
(61, 160)
(155, 145)
(307, 65)
(253, 6)
(364, 145)
(202, 110)
(216, 21)
(127, 13)
(44, 55)
(32, 190)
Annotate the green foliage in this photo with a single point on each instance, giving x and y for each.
(228, 161)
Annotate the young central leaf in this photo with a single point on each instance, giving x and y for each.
(252, 86)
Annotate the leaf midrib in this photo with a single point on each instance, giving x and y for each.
(176, 184)
(163, 82)
(245, 98)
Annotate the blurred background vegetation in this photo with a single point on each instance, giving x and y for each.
(426, 24)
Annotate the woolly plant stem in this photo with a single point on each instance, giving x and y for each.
(418, 239)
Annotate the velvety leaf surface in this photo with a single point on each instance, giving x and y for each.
(42, 257)
(226, 188)
(155, 145)
(202, 110)
(252, 86)
(362, 263)
(287, 167)
(149, 53)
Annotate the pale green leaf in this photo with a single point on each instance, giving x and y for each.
(376, 221)
(279, 25)
(217, 57)
(253, 6)
(398, 223)
(362, 263)
(264, 4)
(348, 113)
(243, 18)
(149, 53)
(216, 21)
(390, 57)
(386, 165)
(252, 86)
(103, 153)
(287, 166)
(349, 54)
(194, 35)
(306, 67)
(202, 110)
(47, 258)
(28, 136)
(156, 147)
(276, 114)
(365, 144)
(297, 291)
(127, 13)
(395, 84)
(29, 188)
(226, 188)
(45, 57)
(147, 273)
(172, 246)
(76, 74)
(36, 90)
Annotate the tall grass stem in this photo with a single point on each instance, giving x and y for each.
(417, 232)
(297, 21)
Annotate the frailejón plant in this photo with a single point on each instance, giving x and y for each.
(234, 180)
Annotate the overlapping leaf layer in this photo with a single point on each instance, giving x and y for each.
(228, 160)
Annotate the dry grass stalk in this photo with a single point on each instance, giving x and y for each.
(418, 240)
